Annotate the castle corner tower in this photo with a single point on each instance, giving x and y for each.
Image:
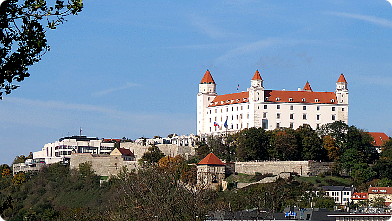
(207, 93)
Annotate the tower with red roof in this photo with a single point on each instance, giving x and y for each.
(210, 172)
(207, 93)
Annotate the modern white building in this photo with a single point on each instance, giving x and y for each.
(61, 150)
(269, 109)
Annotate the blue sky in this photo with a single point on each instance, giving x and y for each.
(132, 68)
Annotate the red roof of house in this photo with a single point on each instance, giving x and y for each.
(207, 79)
(359, 196)
(380, 190)
(110, 140)
(211, 159)
(307, 87)
(342, 79)
(257, 76)
(125, 152)
(379, 138)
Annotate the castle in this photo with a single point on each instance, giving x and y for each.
(269, 109)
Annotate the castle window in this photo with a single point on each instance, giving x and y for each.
(333, 117)
(265, 106)
(232, 117)
(318, 117)
(238, 100)
(291, 116)
(304, 108)
(248, 107)
(247, 116)
(318, 126)
(215, 118)
(210, 120)
(222, 102)
(342, 108)
(318, 108)
(264, 115)
(240, 116)
(237, 117)
(316, 100)
(237, 108)
(232, 126)
(291, 107)
(278, 106)
(227, 109)
(278, 125)
(291, 125)
(208, 98)
(241, 107)
(277, 99)
(210, 129)
(304, 116)
(237, 126)
(333, 108)
(210, 111)
(290, 99)
(303, 99)
(266, 98)
(232, 108)
(332, 100)
(228, 101)
(278, 116)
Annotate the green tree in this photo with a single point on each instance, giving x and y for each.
(310, 144)
(151, 157)
(22, 35)
(284, 145)
(252, 144)
(378, 202)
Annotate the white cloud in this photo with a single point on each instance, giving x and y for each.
(206, 27)
(110, 90)
(371, 19)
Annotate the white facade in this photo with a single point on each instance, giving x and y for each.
(269, 109)
(62, 149)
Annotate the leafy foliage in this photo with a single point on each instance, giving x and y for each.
(22, 36)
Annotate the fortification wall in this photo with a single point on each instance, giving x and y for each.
(101, 165)
(302, 168)
(168, 149)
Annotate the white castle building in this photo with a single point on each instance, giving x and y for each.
(269, 109)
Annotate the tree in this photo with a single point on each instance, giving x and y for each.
(330, 146)
(252, 144)
(152, 156)
(310, 144)
(284, 145)
(22, 36)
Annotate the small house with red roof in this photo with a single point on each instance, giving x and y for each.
(359, 197)
(379, 139)
(270, 109)
(210, 172)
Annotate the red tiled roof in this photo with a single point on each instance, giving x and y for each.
(300, 97)
(380, 190)
(110, 140)
(207, 79)
(257, 76)
(211, 159)
(359, 196)
(307, 87)
(125, 152)
(379, 138)
(342, 79)
(226, 99)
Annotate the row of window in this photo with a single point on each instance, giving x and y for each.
(265, 107)
(232, 118)
(303, 99)
(238, 126)
(303, 116)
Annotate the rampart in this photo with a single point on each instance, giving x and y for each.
(302, 168)
(168, 149)
(102, 165)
